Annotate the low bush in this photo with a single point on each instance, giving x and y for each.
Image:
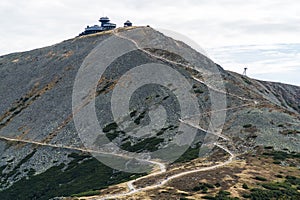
(82, 174)
(247, 126)
(260, 178)
(245, 186)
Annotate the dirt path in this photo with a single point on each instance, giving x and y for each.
(133, 190)
(162, 166)
(130, 184)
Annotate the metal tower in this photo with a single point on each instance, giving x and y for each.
(245, 71)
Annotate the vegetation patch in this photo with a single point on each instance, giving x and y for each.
(245, 186)
(2, 168)
(133, 113)
(110, 127)
(15, 170)
(277, 190)
(190, 154)
(281, 155)
(163, 130)
(260, 178)
(139, 118)
(289, 132)
(204, 187)
(82, 174)
(198, 91)
(111, 131)
(247, 81)
(247, 126)
(149, 144)
(222, 195)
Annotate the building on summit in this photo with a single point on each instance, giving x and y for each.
(105, 26)
(127, 23)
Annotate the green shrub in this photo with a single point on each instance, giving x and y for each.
(245, 186)
(223, 193)
(190, 154)
(269, 147)
(84, 173)
(271, 186)
(277, 162)
(260, 178)
(198, 91)
(110, 127)
(281, 155)
(246, 196)
(196, 189)
(293, 180)
(247, 126)
(133, 113)
(203, 187)
(218, 184)
(209, 185)
(278, 176)
(278, 190)
(208, 197)
(204, 190)
(149, 144)
(112, 135)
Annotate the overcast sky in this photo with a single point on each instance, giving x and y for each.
(262, 35)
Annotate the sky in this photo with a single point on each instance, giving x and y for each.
(262, 35)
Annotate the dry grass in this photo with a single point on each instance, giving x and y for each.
(231, 178)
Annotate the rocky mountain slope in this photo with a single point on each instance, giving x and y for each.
(42, 155)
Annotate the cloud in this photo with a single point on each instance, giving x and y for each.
(213, 24)
(269, 61)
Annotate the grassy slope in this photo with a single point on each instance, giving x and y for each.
(262, 175)
(82, 174)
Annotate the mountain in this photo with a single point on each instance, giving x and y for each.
(46, 135)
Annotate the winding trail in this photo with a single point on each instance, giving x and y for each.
(133, 190)
(130, 184)
(185, 66)
(202, 129)
(162, 167)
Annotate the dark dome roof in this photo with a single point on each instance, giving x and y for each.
(104, 19)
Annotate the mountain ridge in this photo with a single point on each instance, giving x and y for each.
(36, 93)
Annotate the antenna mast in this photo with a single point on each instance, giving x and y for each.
(245, 71)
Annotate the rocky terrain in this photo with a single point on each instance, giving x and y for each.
(42, 155)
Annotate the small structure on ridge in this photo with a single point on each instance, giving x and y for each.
(245, 71)
(105, 26)
(127, 23)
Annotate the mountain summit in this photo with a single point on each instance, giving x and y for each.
(44, 133)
